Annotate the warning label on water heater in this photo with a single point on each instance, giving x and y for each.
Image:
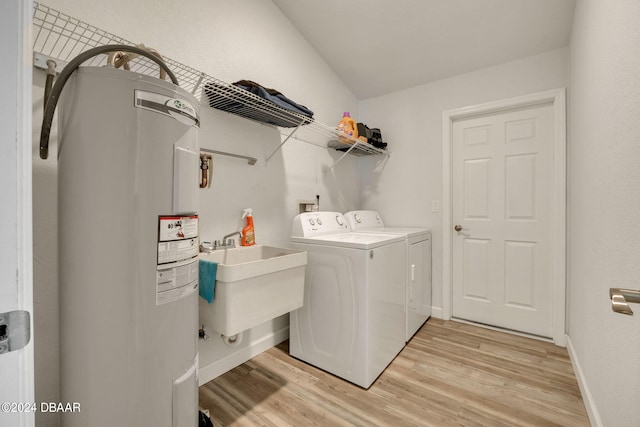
(177, 271)
(178, 227)
(176, 282)
(177, 238)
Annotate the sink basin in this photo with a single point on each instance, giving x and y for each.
(253, 285)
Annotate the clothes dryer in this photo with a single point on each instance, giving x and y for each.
(418, 268)
(352, 322)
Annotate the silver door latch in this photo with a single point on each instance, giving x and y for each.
(620, 299)
(15, 330)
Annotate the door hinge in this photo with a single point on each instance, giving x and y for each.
(15, 330)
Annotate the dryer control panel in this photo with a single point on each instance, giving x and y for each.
(360, 220)
(310, 224)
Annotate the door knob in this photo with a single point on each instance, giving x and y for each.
(458, 228)
(620, 299)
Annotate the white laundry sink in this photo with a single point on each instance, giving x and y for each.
(253, 285)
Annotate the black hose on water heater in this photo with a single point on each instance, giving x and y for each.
(51, 101)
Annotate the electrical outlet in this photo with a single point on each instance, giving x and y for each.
(435, 206)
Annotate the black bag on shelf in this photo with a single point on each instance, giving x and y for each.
(376, 139)
(374, 136)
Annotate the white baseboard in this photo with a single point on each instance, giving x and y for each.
(590, 405)
(219, 367)
(437, 312)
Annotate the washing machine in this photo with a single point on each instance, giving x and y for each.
(418, 268)
(352, 322)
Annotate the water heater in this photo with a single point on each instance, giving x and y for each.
(128, 245)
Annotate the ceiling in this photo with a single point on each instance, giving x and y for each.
(382, 46)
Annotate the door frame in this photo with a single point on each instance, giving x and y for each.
(16, 282)
(557, 98)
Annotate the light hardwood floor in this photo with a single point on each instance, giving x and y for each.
(449, 374)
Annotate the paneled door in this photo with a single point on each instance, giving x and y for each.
(502, 202)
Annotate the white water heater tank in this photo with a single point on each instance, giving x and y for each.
(128, 250)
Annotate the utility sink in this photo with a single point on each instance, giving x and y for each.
(254, 284)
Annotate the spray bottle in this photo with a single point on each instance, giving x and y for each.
(248, 232)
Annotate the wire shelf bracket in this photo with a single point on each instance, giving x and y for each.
(283, 142)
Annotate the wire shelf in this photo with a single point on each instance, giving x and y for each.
(62, 37)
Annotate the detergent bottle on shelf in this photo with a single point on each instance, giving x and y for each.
(248, 232)
(347, 125)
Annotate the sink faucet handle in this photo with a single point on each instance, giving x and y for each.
(206, 246)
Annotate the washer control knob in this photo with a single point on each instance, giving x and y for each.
(339, 220)
(357, 218)
(319, 221)
(311, 221)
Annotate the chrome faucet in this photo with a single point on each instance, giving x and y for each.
(227, 242)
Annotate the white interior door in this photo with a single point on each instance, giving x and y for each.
(502, 205)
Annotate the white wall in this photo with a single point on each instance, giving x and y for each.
(603, 205)
(243, 39)
(403, 187)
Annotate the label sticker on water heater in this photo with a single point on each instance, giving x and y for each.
(178, 227)
(176, 282)
(179, 109)
(177, 269)
(177, 238)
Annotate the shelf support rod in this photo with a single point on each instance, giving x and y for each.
(197, 85)
(342, 157)
(251, 160)
(285, 140)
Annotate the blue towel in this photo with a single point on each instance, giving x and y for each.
(207, 278)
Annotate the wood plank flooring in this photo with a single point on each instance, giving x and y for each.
(450, 374)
